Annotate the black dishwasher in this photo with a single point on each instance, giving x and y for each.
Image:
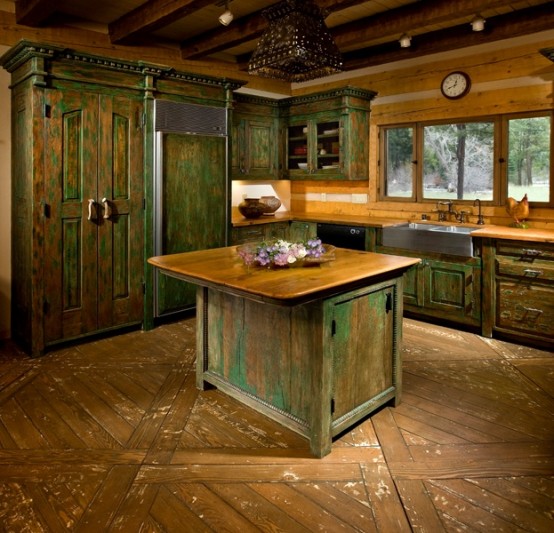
(352, 237)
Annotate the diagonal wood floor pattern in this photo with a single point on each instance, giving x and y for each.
(112, 435)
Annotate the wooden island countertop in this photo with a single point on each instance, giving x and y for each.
(315, 348)
(223, 268)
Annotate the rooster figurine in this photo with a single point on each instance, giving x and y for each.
(519, 211)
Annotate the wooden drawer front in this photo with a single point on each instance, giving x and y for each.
(526, 251)
(538, 270)
(525, 307)
(247, 234)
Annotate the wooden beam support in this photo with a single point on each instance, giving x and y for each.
(151, 16)
(34, 12)
(408, 19)
(522, 22)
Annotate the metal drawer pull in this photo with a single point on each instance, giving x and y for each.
(532, 310)
(533, 253)
(107, 208)
(91, 202)
(532, 272)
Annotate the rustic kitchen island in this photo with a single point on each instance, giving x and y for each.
(315, 348)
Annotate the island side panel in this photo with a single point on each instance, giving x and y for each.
(267, 356)
(363, 353)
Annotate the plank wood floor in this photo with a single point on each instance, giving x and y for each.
(112, 435)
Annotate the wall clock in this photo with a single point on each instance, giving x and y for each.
(455, 85)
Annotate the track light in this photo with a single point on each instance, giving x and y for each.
(405, 41)
(478, 23)
(227, 16)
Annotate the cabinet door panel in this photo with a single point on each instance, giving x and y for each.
(261, 143)
(194, 207)
(525, 307)
(362, 349)
(449, 286)
(120, 228)
(70, 232)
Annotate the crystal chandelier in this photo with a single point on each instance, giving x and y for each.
(296, 46)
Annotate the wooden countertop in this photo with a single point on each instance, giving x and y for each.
(222, 268)
(355, 220)
(487, 231)
(516, 234)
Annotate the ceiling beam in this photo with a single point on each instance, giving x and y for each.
(240, 31)
(151, 16)
(34, 12)
(393, 23)
(523, 22)
(387, 25)
(243, 30)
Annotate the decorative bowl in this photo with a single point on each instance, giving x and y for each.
(272, 203)
(252, 208)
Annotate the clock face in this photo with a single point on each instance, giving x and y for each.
(455, 85)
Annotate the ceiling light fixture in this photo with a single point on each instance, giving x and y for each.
(478, 23)
(227, 16)
(405, 41)
(297, 45)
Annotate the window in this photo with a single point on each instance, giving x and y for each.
(399, 157)
(528, 168)
(458, 161)
(489, 159)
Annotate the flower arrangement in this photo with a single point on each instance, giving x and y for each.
(282, 253)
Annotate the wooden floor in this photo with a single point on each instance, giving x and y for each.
(112, 435)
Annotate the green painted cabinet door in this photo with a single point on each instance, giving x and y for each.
(363, 348)
(194, 199)
(255, 149)
(93, 217)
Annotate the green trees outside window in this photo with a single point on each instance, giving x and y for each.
(487, 159)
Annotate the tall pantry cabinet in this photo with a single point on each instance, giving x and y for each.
(82, 158)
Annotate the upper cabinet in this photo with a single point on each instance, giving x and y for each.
(254, 140)
(322, 136)
(327, 135)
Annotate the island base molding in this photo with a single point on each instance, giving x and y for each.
(317, 368)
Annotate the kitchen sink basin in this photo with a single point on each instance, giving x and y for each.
(453, 240)
(452, 229)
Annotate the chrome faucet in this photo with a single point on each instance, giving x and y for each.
(480, 219)
(441, 212)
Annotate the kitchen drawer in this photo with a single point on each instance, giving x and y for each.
(525, 308)
(537, 270)
(526, 252)
(244, 234)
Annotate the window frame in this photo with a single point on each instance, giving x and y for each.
(500, 157)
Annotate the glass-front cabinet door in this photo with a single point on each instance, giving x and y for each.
(313, 149)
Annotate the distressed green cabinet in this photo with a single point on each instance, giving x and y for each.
(442, 286)
(259, 232)
(82, 189)
(328, 135)
(255, 140)
(302, 231)
(519, 290)
(193, 190)
(445, 289)
(93, 218)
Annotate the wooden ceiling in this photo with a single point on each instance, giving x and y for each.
(366, 31)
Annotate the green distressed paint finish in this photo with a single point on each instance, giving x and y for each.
(194, 199)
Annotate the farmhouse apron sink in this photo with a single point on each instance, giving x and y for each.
(453, 240)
